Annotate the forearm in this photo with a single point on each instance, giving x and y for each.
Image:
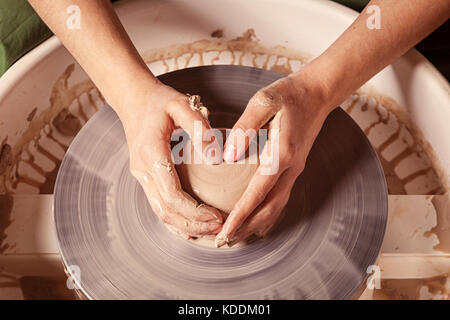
(101, 46)
(359, 53)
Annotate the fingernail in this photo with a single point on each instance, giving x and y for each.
(220, 240)
(229, 153)
(214, 218)
(208, 215)
(218, 218)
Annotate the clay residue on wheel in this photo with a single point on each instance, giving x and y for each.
(6, 158)
(217, 33)
(394, 183)
(246, 43)
(441, 205)
(246, 49)
(66, 123)
(41, 124)
(196, 105)
(6, 205)
(413, 289)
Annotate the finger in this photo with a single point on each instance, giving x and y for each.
(177, 223)
(192, 116)
(261, 183)
(178, 232)
(258, 112)
(157, 158)
(256, 191)
(266, 215)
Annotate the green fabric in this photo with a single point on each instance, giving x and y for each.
(21, 30)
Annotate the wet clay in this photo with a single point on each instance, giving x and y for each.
(53, 123)
(403, 135)
(219, 185)
(196, 105)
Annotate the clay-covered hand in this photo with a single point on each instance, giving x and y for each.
(293, 110)
(150, 116)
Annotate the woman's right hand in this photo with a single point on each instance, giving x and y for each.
(150, 113)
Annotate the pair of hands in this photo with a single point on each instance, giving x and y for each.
(290, 105)
(297, 105)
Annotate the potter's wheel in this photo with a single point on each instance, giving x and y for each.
(330, 233)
